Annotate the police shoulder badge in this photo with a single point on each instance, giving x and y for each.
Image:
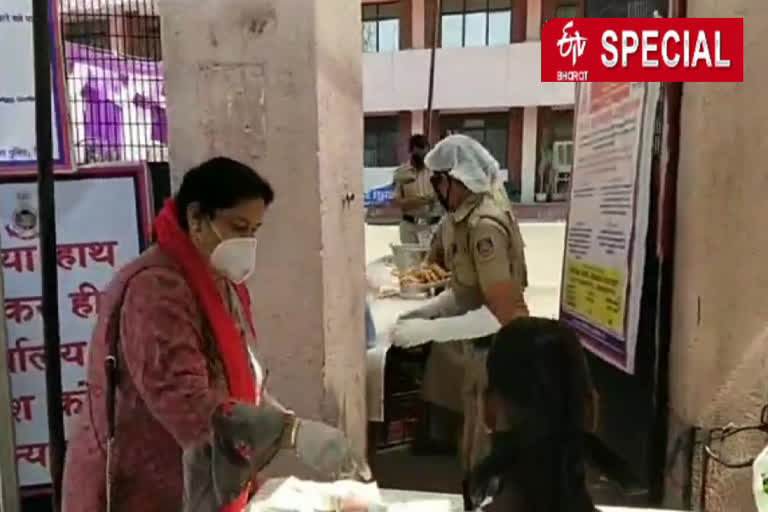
(23, 219)
(485, 249)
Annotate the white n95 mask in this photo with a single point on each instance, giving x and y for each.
(760, 480)
(235, 258)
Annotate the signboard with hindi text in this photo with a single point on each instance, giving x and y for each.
(102, 216)
(18, 143)
(608, 217)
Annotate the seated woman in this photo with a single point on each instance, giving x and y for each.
(539, 404)
(176, 323)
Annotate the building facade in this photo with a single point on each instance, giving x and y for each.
(487, 85)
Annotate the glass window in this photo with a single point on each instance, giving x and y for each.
(388, 11)
(389, 35)
(474, 29)
(471, 23)
(490, 130)
(499, 28)
(381, 27)
(496, 143)
(475, 6)
(380, 141)
(453, 6)
(567, 11)
(370, 42)
(88, 30)
(451, 26)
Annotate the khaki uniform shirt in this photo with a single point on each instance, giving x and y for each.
(481, 245)
(410, 183)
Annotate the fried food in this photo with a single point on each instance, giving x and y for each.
(427, 274)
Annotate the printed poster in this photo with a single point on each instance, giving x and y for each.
(608, 217)
(18, 144)
(100, 227)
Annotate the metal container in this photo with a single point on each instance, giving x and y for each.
(408, 256)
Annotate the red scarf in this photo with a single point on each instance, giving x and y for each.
(176, 243)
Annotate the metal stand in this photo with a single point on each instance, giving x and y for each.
(9, 482)
(47, 207)
(431, 86)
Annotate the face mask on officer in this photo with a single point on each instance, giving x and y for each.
(449, 191)
(417, 155)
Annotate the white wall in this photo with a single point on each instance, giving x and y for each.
(465, 78)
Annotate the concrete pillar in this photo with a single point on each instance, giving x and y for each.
(719, 341)
(515, 147)
(404, 134)
(417, 24)
(417, 122)
(275, 84)
(528, 166)
(533, 20)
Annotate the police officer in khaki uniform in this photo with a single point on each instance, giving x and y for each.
(481, 245)
(414, 194)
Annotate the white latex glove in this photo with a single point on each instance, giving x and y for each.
(411, 332)
(417, 331)
(327, 450)
(441, 306)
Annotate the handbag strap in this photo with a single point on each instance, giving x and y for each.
(112, 381)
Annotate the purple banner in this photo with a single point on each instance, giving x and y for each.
(117, 106)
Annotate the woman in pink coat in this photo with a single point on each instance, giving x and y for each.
(179, 318)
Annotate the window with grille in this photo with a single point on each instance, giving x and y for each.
(142, 36)
(380, 141)
(467, 23)
(89, 29)
(115, 80)
(381, 27)
(490, 130)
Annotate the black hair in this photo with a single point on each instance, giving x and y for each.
(417, 141)
(217, 184)
(538, 369)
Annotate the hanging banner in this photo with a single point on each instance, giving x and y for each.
(102, 217)
(608, 217)
(18, 144)
(380, 196)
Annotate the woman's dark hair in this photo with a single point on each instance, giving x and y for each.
(220, 183)
(538, 369)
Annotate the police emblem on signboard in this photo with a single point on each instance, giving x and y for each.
(24, 218)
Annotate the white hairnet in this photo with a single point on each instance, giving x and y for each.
(469, 162)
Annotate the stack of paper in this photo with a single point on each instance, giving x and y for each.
(296, 495)
(421, 506)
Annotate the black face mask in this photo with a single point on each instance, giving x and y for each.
(435, 180)
(417, 157)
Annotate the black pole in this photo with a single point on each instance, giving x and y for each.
(432, 51)
(47, 207)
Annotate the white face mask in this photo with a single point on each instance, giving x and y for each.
(760, 480)
(235, 258)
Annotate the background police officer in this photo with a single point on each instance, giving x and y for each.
(414, 195)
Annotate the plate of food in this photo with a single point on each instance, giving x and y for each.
(418, 281)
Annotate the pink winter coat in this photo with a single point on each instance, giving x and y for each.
(169, 383)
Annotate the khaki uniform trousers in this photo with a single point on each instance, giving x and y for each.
(475, 442)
